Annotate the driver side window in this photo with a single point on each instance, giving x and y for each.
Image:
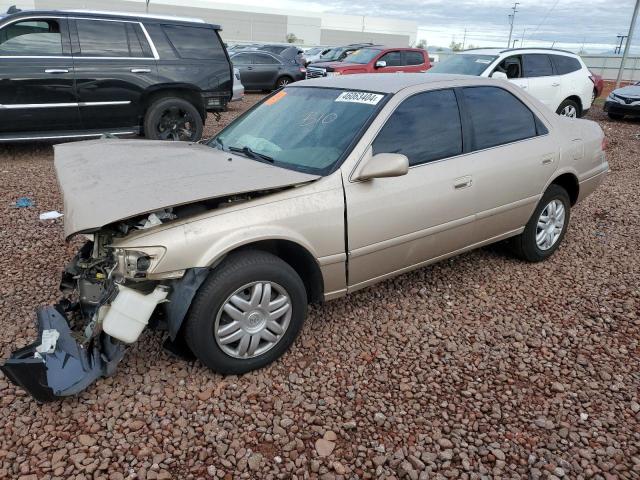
(511, 66)
(31, 38)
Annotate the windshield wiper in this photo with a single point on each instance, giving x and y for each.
(251, 154)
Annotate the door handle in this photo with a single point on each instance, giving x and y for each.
(462, 182)
(547, 160)
(56, 70)
(249, 68)
(140, 70)
(555, 84)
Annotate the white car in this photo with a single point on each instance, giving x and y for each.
(238, 87)
(557, 78)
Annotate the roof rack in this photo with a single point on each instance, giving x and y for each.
(135, 15)
(537, 48)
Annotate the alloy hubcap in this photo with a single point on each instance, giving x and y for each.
(253, 319)
(569, 111)
(550, 225)
(176, 124)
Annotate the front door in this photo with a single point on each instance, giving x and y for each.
(397, 223)
(114, 65)
(248, 75)
(37, 91)
(393, 61)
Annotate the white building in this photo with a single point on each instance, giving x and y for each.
(252, 23)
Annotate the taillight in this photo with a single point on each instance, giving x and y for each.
(303, 70)
(604, 144)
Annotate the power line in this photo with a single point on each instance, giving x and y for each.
(545, 18)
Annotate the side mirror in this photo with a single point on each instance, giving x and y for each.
(383, 165)
(499, 75)
(381, 64)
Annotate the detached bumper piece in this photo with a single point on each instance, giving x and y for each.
(56, 366)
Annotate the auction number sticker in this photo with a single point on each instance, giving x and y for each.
(360, 97)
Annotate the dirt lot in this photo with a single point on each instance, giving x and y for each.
(477, 366)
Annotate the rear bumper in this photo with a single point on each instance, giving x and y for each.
(588, 186)
(621, 108)
(66, 367)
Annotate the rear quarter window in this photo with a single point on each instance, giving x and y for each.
(564, 64)
(195, 43)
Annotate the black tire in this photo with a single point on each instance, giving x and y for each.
(283, 81)
(615, 116)
(525, 245)
(173, 118)
(569, 104)
(239, 269)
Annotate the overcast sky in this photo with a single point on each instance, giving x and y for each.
(567, 22)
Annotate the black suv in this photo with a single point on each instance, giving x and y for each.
(70, 74)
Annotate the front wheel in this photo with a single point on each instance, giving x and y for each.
(569, 108)
(173, 119)
(247, 313)
(546, 227)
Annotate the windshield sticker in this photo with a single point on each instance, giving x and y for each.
(276, 98)
(482, 60)
(360, 97)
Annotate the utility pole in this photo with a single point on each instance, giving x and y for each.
(627, 46)
(148, 5)
(618, 48)
(464, 39)
(522, 39)
(512, 18)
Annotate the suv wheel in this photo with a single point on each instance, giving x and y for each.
(173, 119)
(546, 227)
(569, 108)
(247, 313)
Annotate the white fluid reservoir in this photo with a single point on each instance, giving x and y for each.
(130, 312)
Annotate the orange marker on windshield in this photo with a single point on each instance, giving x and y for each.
(276, 98)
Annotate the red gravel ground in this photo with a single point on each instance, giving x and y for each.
(477, 367)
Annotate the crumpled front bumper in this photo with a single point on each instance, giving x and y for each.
(67, 367)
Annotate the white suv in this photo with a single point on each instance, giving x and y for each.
(557, 78)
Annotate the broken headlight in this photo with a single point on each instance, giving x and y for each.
(138, 263)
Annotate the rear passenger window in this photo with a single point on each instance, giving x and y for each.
(537, 65)
(497, 117)
(564, 65)
(413, 58)
(425, 127)
(195, 43)
(261, 59)
(102, 39)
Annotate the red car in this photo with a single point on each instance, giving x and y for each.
(598, 85)
(374, 59)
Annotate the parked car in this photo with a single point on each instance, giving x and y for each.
(598, 86)
(314, 54)
(375, 59)
(337, 54)
(265, 71)
(66, 74)
(292, 204)
(557, 78)
(238, 87)
(623, 101)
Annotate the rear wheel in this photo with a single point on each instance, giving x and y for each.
(283, 81)
(615, 116)
(546, 227)
(569, 108)
(173, 119)
(247, 313)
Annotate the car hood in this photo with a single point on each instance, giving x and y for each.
(629, 91)
(109, 180)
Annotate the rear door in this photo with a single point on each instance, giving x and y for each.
(114, 65)
(37, 92)
(414, 61)
(543, 83)
(266, 70)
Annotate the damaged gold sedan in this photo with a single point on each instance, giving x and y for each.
(323, 188)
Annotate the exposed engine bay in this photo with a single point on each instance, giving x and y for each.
(108, 300)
